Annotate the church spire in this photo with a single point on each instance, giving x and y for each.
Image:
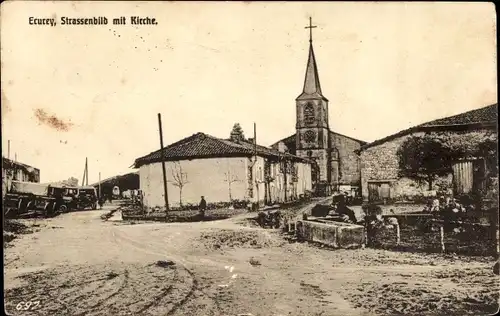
(311, 82)
(312, 87)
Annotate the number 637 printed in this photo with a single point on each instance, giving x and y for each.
(28, 305)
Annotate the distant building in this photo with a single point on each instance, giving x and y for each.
(336, 164)
(380, 170)
(14, 170)
(129, 181)
(222, 170)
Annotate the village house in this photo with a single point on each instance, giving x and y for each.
(465, 145)
(222, 170)
(336, 165)
(14, 170)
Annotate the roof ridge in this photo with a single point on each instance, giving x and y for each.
(463, 114)
(355, 139)
(196, 146)
(442, 123)
(183, 140)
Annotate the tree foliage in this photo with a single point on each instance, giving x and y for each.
(429, 156)
(424, 159)
(72, 181)
(237, 132)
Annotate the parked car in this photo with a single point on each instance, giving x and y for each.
(86, 197)
(64, 197)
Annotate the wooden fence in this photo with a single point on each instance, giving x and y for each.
(437, 236)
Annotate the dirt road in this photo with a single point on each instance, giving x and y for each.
(76, 264)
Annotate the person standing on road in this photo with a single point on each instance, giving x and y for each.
(202, 207)
(101, 201)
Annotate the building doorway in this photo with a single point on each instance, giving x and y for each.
(379, 191)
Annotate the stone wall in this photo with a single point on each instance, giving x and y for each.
(349, 162)
(321, 158)
(332, 234)
(380, 163)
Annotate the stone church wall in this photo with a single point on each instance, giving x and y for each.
(349, 161)
(321, 158)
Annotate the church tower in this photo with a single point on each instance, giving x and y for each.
(313, 131)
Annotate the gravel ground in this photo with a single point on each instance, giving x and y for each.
(78, 264)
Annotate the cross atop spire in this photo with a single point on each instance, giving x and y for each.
(310, 27)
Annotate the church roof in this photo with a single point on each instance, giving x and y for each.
(479, 118)
(312, 86)
(201, 145)
(290, 141)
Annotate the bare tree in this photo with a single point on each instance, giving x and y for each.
(230, 179)
(179, 178)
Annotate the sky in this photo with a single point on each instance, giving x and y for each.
(70, 92)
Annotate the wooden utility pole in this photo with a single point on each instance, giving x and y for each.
(100, 185)
(87, 172)
(254, 162)
(163, 167)
(285, 178)
(85, 179)
(84, 172)
(8, 149)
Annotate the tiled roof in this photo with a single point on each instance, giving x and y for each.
(119, 178)
(482, 115)
(362, 142)
(9, 163)
(485, 116)
(201, 145)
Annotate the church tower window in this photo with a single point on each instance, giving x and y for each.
(335, 153)
(309, 115)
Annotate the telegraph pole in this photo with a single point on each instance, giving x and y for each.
(163, 167)
(254, 162)
(100, 185)
(87, 172)
(84, 172)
